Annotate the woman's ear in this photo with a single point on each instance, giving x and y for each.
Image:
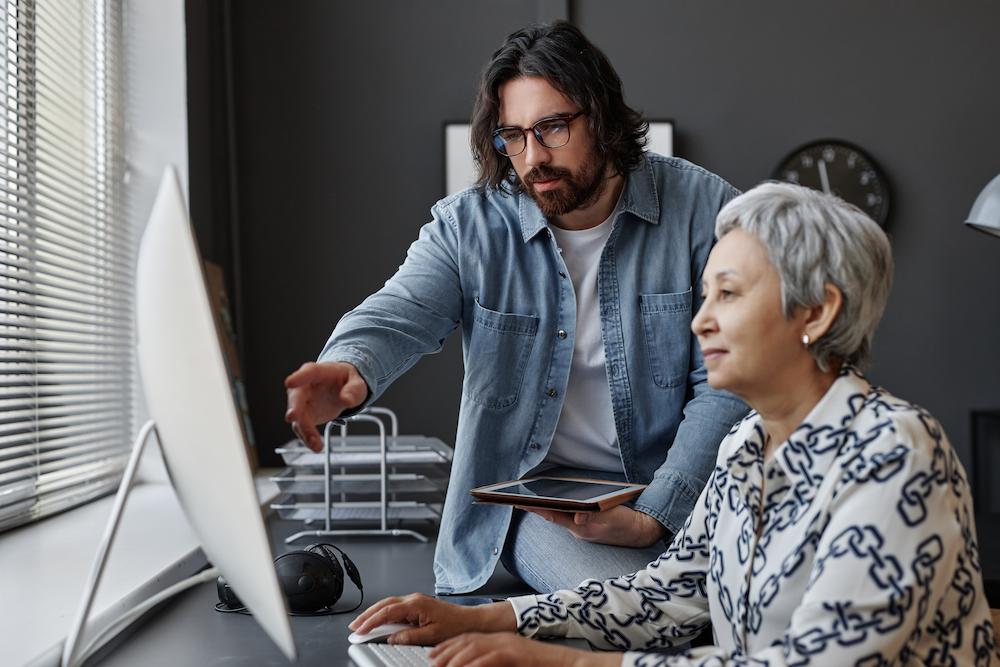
(820, 318)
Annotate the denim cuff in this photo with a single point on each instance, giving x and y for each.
(669, 498)
(366, 368)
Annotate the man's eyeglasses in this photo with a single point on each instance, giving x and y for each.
(552, 132)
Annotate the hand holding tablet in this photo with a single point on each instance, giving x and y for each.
(565, 494)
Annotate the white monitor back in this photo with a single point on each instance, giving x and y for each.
(189, 396)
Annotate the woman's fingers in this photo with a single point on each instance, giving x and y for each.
(366, 620)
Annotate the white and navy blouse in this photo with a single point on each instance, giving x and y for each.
(864, 553)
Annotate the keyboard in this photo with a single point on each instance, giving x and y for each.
(399, 655)
(386, 655)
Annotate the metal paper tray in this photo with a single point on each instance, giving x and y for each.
(291, 480)
(288, 507)
(364, 450)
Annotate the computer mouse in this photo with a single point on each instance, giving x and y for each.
(378, 635)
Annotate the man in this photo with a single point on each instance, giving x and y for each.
(569, 270)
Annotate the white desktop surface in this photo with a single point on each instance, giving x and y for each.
(188, 631)
(43, 567)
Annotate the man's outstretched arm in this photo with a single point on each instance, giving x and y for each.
(383, 337)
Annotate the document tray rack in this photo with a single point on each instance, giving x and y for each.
(359, 479)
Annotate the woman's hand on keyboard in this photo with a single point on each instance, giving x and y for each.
(433, 620)
(503, 650)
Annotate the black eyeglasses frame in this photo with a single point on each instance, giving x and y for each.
(498, 142)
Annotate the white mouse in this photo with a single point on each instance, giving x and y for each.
(379, 634)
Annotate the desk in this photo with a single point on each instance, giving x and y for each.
(188, 631)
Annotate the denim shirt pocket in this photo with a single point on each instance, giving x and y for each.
(666, 320)
(497, 356)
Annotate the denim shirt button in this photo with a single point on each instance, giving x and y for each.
(562, 334)
(562, 274)
(496, 550)
(534, 446)
(552, 392)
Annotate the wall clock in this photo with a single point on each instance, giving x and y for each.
(839, 167)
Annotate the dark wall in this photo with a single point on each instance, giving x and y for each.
(914, 83)
(339, 109)
(338, 114)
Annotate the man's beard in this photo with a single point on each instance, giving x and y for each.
(577, 190)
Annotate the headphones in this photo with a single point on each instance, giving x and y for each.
(312, 581)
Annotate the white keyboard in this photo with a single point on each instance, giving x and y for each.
(399, 655)
(386, 655)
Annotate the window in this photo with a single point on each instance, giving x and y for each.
(66, 259)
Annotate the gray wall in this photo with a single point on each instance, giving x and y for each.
(339, 109)
(912, 82)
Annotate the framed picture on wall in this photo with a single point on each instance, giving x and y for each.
(460, 168)
(661, 137)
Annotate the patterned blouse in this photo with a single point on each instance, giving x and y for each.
(864, 553)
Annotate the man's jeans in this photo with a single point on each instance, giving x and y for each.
(549, 558)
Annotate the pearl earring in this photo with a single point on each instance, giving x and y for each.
(805, 339)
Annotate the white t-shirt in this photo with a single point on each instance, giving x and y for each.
(585, 436)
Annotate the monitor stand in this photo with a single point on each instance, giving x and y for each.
(70, 655)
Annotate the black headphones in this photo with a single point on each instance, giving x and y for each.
(311, 580)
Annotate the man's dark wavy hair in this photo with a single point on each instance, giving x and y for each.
(559, 53)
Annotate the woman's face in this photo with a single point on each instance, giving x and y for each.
(748, 344)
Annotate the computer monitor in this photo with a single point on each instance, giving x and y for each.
(189, 396)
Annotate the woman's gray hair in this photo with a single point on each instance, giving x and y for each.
(815, 239)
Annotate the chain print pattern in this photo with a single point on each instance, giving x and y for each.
(866, 553)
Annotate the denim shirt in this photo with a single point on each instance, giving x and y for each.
(488, 263)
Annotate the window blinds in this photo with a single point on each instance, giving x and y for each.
(66, 258)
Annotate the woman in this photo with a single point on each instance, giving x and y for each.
(836, 528)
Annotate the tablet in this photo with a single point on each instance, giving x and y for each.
(567, 494)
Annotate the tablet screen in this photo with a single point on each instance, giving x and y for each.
(558, 488)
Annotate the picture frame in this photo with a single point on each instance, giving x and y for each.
(459, 167)
(661, 137)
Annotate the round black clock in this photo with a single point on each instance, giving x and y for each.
(831, 165)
